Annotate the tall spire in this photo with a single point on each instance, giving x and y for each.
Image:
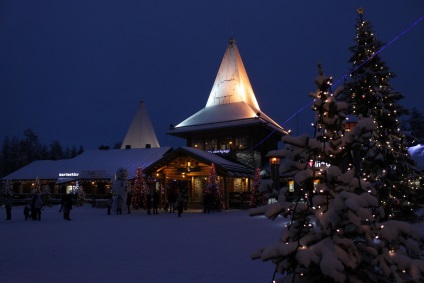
(232, 83)
(140, 133)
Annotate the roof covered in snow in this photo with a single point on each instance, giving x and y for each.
(222, 165)
(141, 133)
(231, 102)
(91, 164)
(226, 115)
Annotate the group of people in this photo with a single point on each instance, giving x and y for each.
(32, 208)
(176, 202)
(152, 201)
(119, 203)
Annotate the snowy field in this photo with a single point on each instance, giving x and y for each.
(95, 247)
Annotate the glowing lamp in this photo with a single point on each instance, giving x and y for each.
(274, 160)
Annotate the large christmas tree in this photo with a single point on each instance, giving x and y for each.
(336, 231)
(386, 162)
(139, 191)
(214, 190)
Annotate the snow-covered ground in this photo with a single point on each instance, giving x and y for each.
(95, 247)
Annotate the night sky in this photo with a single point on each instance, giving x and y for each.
(75, 71)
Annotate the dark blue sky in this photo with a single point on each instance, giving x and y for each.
(75, 71)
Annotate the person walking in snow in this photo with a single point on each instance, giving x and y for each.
(8, 203)
(129, 201)
(109, 204)
(171, 200)
(66, 206)
(148, 202)
(119, 202)
(180, 203)
(36, 205)
(207, 201)
(155, 202)
(27, 210)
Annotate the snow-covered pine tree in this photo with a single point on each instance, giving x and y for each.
(139, 192)
(214, 190)
(386, 161)
(335, 231)
(257, 197)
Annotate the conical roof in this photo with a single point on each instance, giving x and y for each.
(140, 133)
(231, 101)
(232, 83)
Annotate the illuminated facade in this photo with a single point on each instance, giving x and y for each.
(232, 124)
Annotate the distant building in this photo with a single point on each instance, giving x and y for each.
(141, 133)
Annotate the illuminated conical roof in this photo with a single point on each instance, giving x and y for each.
(140, 133)
(231, 102)
(232, 83)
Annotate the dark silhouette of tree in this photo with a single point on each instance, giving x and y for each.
(16, 153)
(56, 150)
(415, 124)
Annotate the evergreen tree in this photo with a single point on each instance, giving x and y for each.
(386, 161)
(30, 147)
(257, 198)
(79, 191)
(139, 191)
(336, 231)
(56, 150)
(46, 196)
(214, 190)
(416, 125)
(37, 186)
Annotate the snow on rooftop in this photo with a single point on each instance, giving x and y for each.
(97, 163)
(231, 101)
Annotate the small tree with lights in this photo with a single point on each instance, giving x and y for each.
(37, 186)
(139, 191)
(336, 231)
(257, 198)
(79, 191)
(214, 191)
(46, 196)
(387, 163)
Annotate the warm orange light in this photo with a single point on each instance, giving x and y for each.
(275, 160)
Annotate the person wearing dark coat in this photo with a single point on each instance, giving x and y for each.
(119, 202)
(172, 198)
(27, 210)
(155, 202)
(207, 202)
(109, 204)
(129, 201)
(66, 206)
(36, 205)
(8, 203)
(180, 203)
(148, 202)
